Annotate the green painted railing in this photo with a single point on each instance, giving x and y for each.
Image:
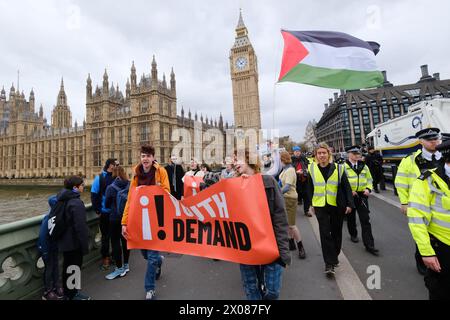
(21, 269)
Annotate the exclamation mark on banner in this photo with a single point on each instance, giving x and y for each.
(159, 203)
(146, 228)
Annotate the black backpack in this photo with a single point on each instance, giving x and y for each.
(57, 221)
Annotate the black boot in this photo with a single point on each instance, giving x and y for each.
(292, 245)
(301, 250)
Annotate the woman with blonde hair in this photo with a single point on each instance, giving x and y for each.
(331, 198)
(288, 180)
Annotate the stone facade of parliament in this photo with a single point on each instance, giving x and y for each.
(116, 124)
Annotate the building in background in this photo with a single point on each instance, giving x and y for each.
(351, 115)
(310, 139)
(117, 124)
(244, 78)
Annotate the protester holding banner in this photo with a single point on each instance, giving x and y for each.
(264, 281)
(148, 173)
(288, 179)
(331, 196)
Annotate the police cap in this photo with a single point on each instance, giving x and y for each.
(428, 134)
(353, 149)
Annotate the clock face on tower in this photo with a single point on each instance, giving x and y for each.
(241, 63)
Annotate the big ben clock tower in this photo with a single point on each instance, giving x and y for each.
(244, 78)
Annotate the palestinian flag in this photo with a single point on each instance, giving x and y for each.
(329, 59)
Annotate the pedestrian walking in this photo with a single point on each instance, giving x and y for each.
(288, 180)
(412, 166)
(429, 221)
(116, 198)
(360, 179)
(148, 173)
(331, 198)
(98, 191)
(300, 164)
(74, 242)
(374, 161)
(263, 282)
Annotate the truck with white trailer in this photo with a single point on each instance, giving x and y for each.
(395, 138)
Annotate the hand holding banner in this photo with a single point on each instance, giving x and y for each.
(191, 185)
(228, 221)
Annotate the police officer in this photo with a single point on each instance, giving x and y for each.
(412, 166)
(331, 196)
(361, 183)
(429, 222)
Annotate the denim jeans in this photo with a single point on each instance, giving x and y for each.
(153, 261)
(262, 282)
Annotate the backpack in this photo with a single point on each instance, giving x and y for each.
(121, 198)
(57, 221)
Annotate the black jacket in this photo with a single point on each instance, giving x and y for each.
(278, 215)
(375, 163)
(176, 187)
(344, 196)
(76, 235)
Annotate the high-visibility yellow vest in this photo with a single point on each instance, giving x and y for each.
(359, 182)
(429, 211)
(408, 171)
(325, 192)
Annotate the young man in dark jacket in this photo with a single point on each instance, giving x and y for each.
(98, 192)
(264, 281)
(74, 243)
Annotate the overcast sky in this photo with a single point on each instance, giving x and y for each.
(48, 40)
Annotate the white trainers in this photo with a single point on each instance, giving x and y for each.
(126, 267)
(118, 272)
(151, 295)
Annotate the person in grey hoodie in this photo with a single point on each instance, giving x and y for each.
(263, 282)
(74, 242)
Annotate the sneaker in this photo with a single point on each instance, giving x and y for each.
(158, 272)
(292, 245)
(329, 271)
(118, 272)
(151, 295)
(126, 267)
(50, 295)
(80, 296)
(336, 265)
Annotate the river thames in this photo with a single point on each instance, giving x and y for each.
(21, 202)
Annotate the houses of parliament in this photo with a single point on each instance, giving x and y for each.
(116, 124)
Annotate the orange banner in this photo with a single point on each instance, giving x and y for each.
(191, 185)
(228, 221)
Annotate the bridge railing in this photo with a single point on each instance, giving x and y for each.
(21, 268)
